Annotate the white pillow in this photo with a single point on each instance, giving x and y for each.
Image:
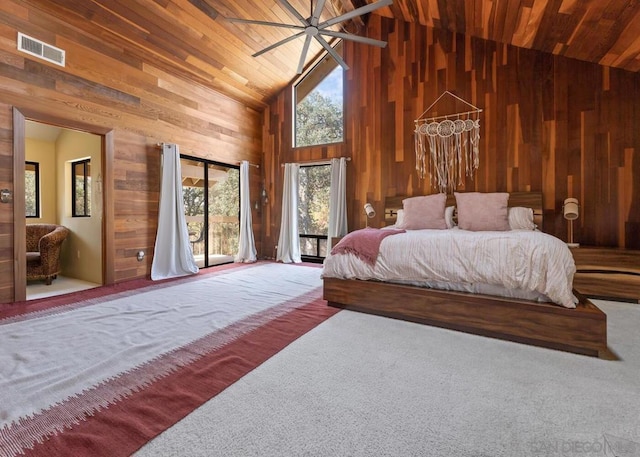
(448, 216)
(399, 219)
(521, 218)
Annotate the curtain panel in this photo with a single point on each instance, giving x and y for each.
(289, 240)
(337, 200)
(172, 256)
(246, 244)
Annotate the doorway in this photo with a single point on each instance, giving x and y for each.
(85, 256)
(211, 194)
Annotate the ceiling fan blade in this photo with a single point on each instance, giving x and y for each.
(358, 38)
(294, 11)
(303, 56)
(272, 24)
(275, 45)
(357, 12)
(332, 52)
(317, 12)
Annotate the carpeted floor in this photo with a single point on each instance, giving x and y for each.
(101, 375)
(361, 385)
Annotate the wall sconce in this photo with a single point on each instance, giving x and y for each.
(369, 211)
(571, 211)
(5, 196)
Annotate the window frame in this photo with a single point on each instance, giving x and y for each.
(36, 166)
(317, 258)
(205, 227)
(87, 198)
(294, 124)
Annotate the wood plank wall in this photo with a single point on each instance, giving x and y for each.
(143, 105)
(551, 124)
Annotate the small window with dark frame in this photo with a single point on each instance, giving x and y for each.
(81, 188)
(32, 189)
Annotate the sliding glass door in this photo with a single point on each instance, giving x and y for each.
(212, 208)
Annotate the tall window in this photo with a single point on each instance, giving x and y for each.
(313, 210)
(81, 188)
(32, 189)
(319, 104)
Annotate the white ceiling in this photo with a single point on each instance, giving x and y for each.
(42, 132)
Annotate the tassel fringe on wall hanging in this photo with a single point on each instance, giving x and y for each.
(447, 147)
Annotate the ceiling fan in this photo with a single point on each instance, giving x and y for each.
(312, 28)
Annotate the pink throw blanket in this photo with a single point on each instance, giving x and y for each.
(364, 243)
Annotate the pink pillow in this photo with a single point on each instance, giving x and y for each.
(478, 211)
(424, 212)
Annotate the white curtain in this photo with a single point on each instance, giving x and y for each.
(172, 255)
(289, 241)
(246, 245)
(337, 200)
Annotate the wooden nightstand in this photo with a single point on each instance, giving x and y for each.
(607, 273)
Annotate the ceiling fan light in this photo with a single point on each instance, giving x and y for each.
(312, 29)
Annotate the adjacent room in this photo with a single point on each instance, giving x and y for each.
(319, 227)
(60, 167)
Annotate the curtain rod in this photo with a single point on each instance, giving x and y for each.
(189, 150)
(319, 162)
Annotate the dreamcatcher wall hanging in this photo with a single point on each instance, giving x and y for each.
(447, 147)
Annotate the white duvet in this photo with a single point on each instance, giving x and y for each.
(517, 263)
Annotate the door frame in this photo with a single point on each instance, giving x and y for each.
(20, 116)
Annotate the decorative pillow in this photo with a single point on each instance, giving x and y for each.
(448, 216)
(478, 211)
(399, 217)
(425, 212)
(521, 218)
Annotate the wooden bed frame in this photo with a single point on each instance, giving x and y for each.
(582, 330)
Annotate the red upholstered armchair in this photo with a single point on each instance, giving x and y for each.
(44, 242)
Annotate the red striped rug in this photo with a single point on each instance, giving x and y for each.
(127, 424)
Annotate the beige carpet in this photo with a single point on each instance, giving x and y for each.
(361, 385)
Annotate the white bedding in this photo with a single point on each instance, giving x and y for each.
(517, 263)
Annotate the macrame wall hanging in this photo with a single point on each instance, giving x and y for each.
(447, 147)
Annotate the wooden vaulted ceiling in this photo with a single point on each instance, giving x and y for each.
(192, 38)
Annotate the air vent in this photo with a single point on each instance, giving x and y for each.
(40, 49)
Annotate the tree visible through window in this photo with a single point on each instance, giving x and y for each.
(313, 209)
(32, 189)
(81, 188)
(211, 194)
(319, 108)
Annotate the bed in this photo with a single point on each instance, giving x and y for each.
(528, 317)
